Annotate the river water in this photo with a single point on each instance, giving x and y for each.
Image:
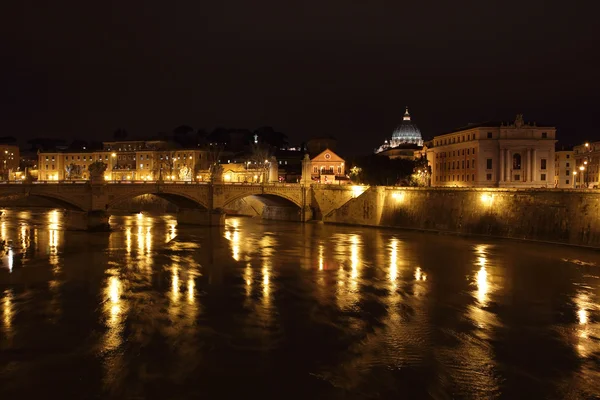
(261, 309)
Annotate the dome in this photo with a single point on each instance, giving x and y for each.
(406, 132)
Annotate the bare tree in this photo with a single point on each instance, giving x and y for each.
(260, 157)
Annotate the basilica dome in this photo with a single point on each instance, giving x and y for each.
(406, 132)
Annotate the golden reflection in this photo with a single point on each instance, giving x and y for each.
(348, 252)
(7, 311)
(232, 234)
(175, 284)
(113, 310)
(53, 219)
(420, 275)
(3, 230)
(481, 277)
(248, 279)
(128, 240)
(10, 259)
(171, 233)
(393, 261)
(190, 290)
(585, 330)
(483, 286)
(266, 271)
(321, 262)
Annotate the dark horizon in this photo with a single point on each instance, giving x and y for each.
(308, 70)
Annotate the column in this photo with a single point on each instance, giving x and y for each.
(534, 169)
(529, 166)
(501, 165)
(508, 165)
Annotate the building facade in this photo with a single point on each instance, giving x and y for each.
(126, 161)
(587, 165)
(327, 167)
(565, 171)
(9, 161)
(494, 155)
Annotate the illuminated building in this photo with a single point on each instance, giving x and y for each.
(587, 162)
(517, 154)
(9, 160)
(126, 161)
(406, 140)
(564, 166)
(327, 167)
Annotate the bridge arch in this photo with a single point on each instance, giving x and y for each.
(289, 200)
(180, 200)
(50, 200)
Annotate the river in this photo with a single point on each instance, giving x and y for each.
(264, 309)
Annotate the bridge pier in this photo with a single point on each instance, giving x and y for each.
(196, 216)
(86, 221)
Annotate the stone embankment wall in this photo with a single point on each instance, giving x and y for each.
(563, 216)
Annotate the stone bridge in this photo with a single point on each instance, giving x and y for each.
(88, 204)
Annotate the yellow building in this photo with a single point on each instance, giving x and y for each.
(328, 167)
(587, 165)
(125, 162)
(9, 160)
(494, 155)
(565, 172)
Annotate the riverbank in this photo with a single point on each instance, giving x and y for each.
(566, 217)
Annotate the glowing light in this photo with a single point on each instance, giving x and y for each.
(582, 316)
(487, 199)
(358, 190)
(107, 177)
(190, 290)
(398, 196)
(113, 155)
(394, 260)
(321, 262)
(175, 284)
(228, 177)
(482, 284)
(128, 177)
(114, 289)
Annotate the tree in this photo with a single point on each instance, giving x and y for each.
(380, 170)
(73, 171)
(97, 169)
(259, 160)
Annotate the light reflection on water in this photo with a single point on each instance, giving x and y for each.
(364, 310)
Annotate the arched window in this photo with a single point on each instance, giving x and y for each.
(517, 161)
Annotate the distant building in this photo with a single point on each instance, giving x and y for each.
(587, 160)
(405, 137)
(126, 161)
(327, 167)
(494, 155)
(9, 161)
(564, 168)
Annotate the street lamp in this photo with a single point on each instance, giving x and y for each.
(582, 168)
(114, 157)
(574, 179)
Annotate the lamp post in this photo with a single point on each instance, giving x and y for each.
(582, 168)
(574, 179)
(114, 158)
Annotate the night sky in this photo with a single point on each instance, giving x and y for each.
(81, 69)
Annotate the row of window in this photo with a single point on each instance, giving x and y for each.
(454, 178)
(456, 165)
(326, 171)
(456, 153)
(454, 139)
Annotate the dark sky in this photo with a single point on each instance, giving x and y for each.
(81, 69)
